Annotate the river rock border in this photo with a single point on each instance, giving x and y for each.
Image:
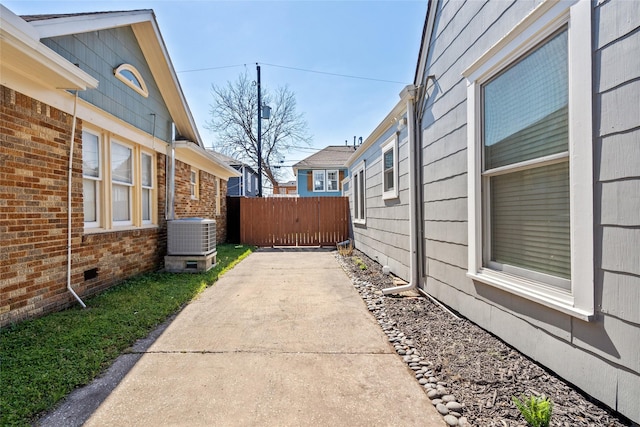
(436, 390)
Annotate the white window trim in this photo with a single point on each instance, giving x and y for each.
(130, 185)
(324, 180)
(147, 187)
(142, 90)
(194, 186)
(548, 17)
(355, 189)
(390, 144)
(99, 180)
(337, 180)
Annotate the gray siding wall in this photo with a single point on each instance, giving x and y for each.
(385, 236)
(602, 357)
(98, 53)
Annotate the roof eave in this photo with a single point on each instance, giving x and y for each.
(146, 30)
(21, 49)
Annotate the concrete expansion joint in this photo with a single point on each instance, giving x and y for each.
(358, 353)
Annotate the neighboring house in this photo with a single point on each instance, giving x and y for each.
(89, 181)
(518, 182)
(289, 188)
(321, 174)
(246, 184)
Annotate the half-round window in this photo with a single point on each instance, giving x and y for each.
(128, 74)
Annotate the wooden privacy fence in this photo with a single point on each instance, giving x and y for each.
(289, 221)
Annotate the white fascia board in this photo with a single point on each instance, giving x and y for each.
(20, 44)
(146, 30)
(192, 154)
(152, 43)
(84, 23)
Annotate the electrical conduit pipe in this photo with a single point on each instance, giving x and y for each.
(70, 176)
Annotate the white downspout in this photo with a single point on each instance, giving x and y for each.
(170, 165)
(409, 92)
(70, 176)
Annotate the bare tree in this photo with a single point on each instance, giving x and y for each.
(234, 120)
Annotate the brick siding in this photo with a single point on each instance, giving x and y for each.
(34, 156)
(205, 205)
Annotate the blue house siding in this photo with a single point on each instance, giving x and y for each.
(303, 183)
(98, 53)
(236, 186)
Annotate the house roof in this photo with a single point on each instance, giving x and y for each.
(333, 156)
(146, 30)
(231, 161)
(21, 49)
(22, 43)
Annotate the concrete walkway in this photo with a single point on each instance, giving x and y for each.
(283, 339)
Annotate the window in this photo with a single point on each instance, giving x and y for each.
(121, 183)
(195, 184)
(249, 178)
(319, 180)
(390, 168)
(530, 160)
(359, 198)
(332, 180)
(91, 178)
(218, 195)
(129, 75)
(147, 187)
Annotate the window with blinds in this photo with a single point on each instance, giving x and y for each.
(91, 178)
(390, 168)
(525, 174)
(121, 183)
(359, 191)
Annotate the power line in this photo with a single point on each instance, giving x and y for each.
(306, 70)
(335, 74)
(211, 68)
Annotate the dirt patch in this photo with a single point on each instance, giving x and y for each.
(480, 370)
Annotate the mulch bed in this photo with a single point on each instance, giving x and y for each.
(481, 371)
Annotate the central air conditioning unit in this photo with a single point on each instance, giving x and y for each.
(191, 236)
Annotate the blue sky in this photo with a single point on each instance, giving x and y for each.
(372, 46)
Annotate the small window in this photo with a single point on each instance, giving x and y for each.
(195, 184)
(91, 178)
(147, 187)
(332, 180)
(121, 183)
(218, 184)
(359, 197)
(390, 168)
(319, 181)
(130, 76)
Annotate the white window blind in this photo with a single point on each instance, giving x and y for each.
(147, 186)
(526, 164)
(122, 180)
(91, 174)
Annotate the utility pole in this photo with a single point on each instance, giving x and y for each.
(259, 135)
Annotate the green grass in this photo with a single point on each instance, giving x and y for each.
(43, 360)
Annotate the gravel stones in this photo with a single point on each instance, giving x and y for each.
(459, 359)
